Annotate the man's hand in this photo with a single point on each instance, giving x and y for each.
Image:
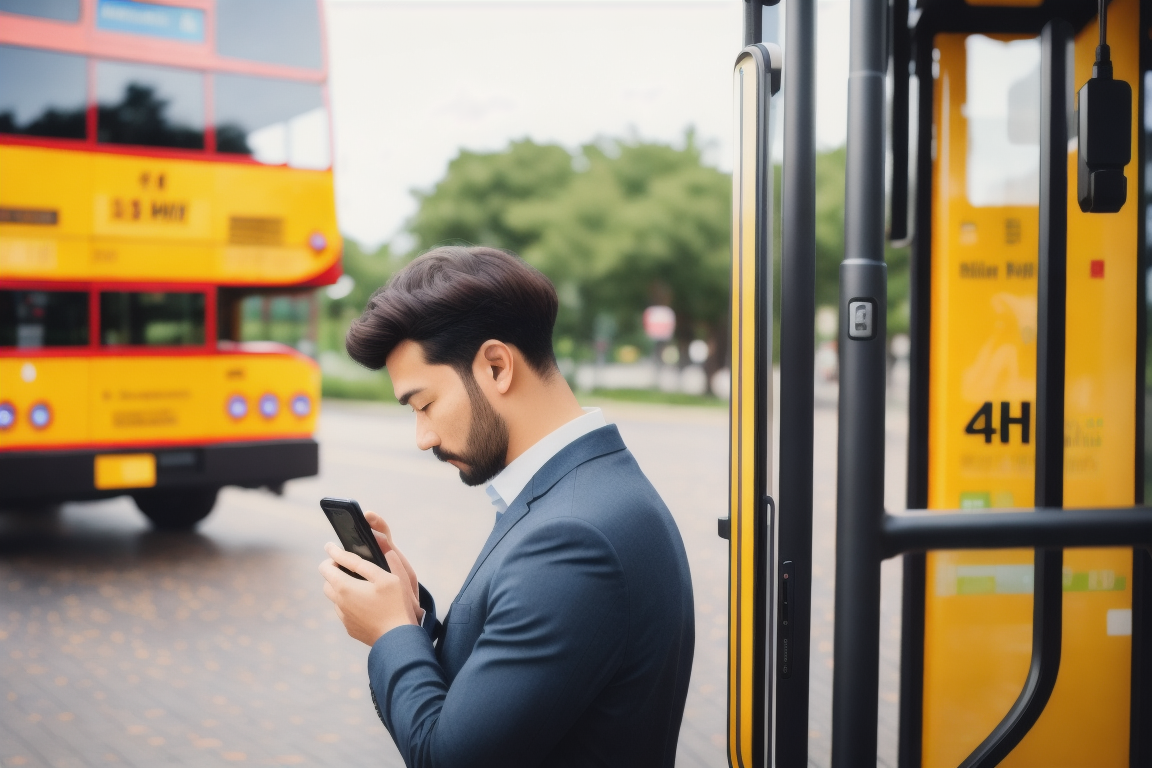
(372, 607)
(384, 538)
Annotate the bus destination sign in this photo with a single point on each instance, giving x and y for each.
(174, 23)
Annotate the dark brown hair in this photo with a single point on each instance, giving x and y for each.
(451, 300)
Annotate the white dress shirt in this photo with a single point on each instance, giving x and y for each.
(506, 486)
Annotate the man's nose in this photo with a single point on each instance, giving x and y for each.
(426, 438)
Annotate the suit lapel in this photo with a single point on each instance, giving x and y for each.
(592, 445)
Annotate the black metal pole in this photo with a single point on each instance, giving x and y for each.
(753, 22)
(797, 342)
(860, 472)
(1048, 591)
(901, 56)
(1140, 711)
(916, 489)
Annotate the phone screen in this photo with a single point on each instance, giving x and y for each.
(349, 535)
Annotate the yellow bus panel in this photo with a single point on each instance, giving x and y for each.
(151, 400)
(977, 638)
(138, 218)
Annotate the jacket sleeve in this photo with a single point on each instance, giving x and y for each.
(554, 634)
(429, 622)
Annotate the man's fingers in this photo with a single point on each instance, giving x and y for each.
(377, 523)
(383, 541)
(411, 573)
(380, 530)
(351, 561)
(355, 563)
(332, 574)
(395, 562)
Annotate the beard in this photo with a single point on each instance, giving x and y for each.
(486, 450)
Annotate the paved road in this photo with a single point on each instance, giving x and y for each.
(121, 646)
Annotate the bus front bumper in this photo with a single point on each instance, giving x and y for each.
(57, 476)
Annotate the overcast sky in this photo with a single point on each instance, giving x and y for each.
(414, 82)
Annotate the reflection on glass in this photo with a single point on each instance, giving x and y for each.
(277, 122)
(1003, 111)
(34, 319)
(42, 93)
(59, 10)
(288, 319)
(272, 31)
(151, 319)
(349, 536)
(149, 105)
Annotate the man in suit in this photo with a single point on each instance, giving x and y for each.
(570, 642)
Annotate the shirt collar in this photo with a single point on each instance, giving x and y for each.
(506, 486)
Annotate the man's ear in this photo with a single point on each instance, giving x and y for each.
(494, 362)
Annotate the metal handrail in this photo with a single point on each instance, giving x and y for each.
(797, 344)
(1052, 299)
(927, 530)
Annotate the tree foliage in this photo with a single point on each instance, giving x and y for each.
(618, 225)
(471, 204)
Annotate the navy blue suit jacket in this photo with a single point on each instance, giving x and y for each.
(570, 642)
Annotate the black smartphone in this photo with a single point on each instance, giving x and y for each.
(355, 534)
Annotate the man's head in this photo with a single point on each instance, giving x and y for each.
(466, 334)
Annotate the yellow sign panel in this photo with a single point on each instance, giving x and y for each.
(125, 470)
(977, 636)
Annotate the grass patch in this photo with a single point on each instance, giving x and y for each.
(658, 397)
(378, 389)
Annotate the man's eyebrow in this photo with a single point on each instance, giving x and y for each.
(404, 397)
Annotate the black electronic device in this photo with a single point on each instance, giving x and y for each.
(355, 534)
(1104, 133)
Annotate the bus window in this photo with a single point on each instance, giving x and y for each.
(286, 318)
(1003, 111)
(35, 319)
(271, 31)
(58, 10)
(276, 122)
(149, 105)
(151, 319)
(42, 93)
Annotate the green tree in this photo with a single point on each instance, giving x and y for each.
(618, 226)
(640, 224)
(471, 203)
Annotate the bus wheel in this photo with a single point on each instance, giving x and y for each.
(176, 510)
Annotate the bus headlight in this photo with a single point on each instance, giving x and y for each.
(301, 405)
(237, 407)
(317, 241)
(269, 406)
(7, 415)
(40, 415)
